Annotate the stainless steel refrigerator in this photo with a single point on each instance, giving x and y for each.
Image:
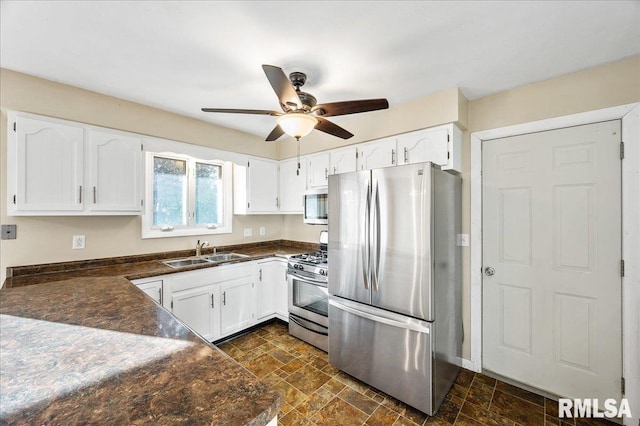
(395, 280)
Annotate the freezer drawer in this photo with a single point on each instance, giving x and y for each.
(390, 352)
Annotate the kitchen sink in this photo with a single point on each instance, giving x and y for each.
(222, 257)
(178, 263)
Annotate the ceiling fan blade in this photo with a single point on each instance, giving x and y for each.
(350, 107)
(333, 129)
(285, 91)
(275, 133)
(242, 111)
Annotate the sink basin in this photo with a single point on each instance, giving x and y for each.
(178, 263)
(221, 257)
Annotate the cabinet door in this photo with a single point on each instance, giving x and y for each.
(293, 183)
(265, 293)
(238, 306)
(115, 172)
(318, 170)
(425, 145)
(281, 290)
(343, 160)
(377, 154)
(153, 289)
(49, 166)
(263, 186)
(198, 309)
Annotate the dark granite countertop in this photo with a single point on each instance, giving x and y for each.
(144, 266)
(98, 351)
(88, 347)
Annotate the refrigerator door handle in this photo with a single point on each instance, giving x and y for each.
(366, 262)
(376, 239)
(381, 319)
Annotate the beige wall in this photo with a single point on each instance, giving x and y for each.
(48, 239)
(600, 87)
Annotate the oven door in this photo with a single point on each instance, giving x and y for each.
(308, 299)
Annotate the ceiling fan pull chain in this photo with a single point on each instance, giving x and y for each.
(298, 169)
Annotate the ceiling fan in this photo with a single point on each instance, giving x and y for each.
(301, 113)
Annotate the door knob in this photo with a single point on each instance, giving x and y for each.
(489, 271)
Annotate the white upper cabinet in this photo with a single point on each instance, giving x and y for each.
(293, 182)
(255, 187)
(116, 162)
(343, 160)
(48, 159)
(441, 145)
(56, 167)
(380, 153)
(318, 170)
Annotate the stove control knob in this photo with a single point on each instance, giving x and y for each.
(323, 272)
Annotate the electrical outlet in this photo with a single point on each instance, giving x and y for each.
(263, 230)
(77, 242)
(9, 232)
(248, 232)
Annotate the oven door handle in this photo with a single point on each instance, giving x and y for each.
(301, 322)
(308, 279)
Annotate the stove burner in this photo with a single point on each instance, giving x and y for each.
(316, 258)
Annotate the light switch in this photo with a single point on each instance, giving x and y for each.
(9, 232)
(462, 240)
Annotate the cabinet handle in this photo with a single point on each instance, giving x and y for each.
(212, 301)
(94, 195)
(80, 195)
(260, 275)
(160, 294)
(224, 298)
(406, 155)
(277, 202)
(334, 170)
(326, 173)
(393, 156)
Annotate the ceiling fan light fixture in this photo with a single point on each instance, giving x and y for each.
(297, 125)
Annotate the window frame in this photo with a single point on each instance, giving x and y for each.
(149, 230)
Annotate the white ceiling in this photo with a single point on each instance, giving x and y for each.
(183, 55)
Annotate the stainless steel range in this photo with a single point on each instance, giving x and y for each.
(309, 297)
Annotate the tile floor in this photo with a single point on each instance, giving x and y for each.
(315, 393)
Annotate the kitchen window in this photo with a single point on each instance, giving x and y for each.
(186, 196)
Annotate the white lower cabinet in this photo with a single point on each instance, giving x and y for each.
(281, 291)
(214, 302)
(197, 308)
(272, 294)
(153, 289)
(238, 308)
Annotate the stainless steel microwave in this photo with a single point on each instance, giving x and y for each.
(316, 206)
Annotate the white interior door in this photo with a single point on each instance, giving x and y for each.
(552, 238)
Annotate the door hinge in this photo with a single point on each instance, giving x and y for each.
(14, 198)
(622, 385)
(622, 268)
(622, 150)
(14, 126)
(141, 203)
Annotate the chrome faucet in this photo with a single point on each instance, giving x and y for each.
(199, 247)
